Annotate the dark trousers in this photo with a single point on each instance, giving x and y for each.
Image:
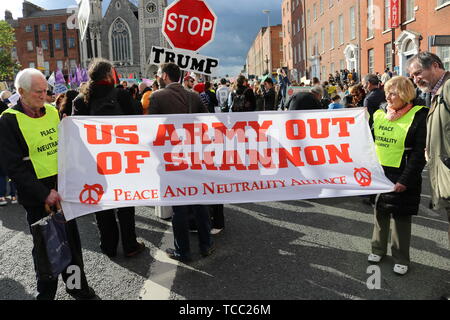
(180, 225)
(218, 220)
(47, 288)
(109, 231)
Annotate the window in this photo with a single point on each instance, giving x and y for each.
(371, 56)
(32, 65)
(59, 64)
(58, 43)
(332, 35)
(47, 68)
(308, 17)
(57, 27)
(71, 43)
(298, 25)
(332, 68)
(30, 45)
(387, 13)
(352, 23)
(295, 54)
(324, 73)
(321, 6)
(43, 27)
(342, 64)
(322, 35)
(330, 3)
(303, 20)
(28, 29)
(44, 44)
(300, 56)
(410, 4)
(341, 29)
(315, 11)
(316, 44)
(442, 2)
(370, 18)
(388, 55)
(444, 54)
(121, 41)
(73, 65)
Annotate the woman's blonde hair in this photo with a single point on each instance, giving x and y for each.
(403, 87)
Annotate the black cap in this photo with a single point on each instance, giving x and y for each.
(50, 92)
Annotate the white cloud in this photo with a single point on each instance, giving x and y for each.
(14, 6)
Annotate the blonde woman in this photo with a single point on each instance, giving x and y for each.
(400, 134)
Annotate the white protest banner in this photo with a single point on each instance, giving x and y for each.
(84, 12)
(187, 61)
(291, 90)
(108, 162)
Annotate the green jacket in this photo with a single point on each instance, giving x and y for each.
(438, 145)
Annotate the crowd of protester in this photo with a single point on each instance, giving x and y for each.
(390, 100)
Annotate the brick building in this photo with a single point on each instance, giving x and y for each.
(298, 40)
(332, 33)
(420, 19)
(287, 7)
(265, 55)
(46, 29)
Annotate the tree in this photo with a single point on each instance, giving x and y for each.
(8, 67)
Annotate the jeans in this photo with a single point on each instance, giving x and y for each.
(180, 225)
(47, 288)
(3, 186)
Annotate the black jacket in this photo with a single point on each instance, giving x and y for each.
(3, 106)
(374, 100)
(13, 148)
(124, 98)
(269, 99)
(410, 171)
(304, 101)
(250, 99)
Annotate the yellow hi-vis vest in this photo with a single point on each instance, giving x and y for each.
(390, 136)
(41, 136)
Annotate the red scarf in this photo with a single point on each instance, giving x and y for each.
(394, 115)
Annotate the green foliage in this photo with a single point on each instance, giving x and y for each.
(8, 67)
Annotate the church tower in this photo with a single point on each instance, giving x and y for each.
(91, 45)
(151, 14)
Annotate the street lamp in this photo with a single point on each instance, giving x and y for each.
(265, 11)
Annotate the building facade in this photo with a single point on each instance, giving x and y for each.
(45, 39)
(419, 20)
(125, 35)
(298, 41)
(332, 35)
(265, 55)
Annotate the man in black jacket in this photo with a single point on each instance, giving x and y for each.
(269, 95)
(100, 98)
(375, 96)
(32, 122)
(174, 99)
(306, 100)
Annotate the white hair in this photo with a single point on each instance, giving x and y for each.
(24, 78)
(5, 95)
(317, 90)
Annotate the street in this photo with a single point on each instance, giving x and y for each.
(274, 250)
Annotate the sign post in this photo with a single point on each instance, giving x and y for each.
(394, 22)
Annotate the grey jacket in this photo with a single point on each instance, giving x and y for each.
(438, 145)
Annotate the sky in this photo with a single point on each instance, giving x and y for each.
(239, 21)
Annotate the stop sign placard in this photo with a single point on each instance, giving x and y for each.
(189, 24)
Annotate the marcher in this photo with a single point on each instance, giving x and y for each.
(174, 99)
(222, 95)
(34, 172)
(386, 76)
(336, 104)
(430, 76)
(269, 95)
(188, 82)
(100, 98)
(399, 131)
(374, 95)
(145, 92)
(242, 99)
(307, 100)
(50, 97)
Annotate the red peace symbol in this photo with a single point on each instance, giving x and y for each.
(363, 177)
(87, 194)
